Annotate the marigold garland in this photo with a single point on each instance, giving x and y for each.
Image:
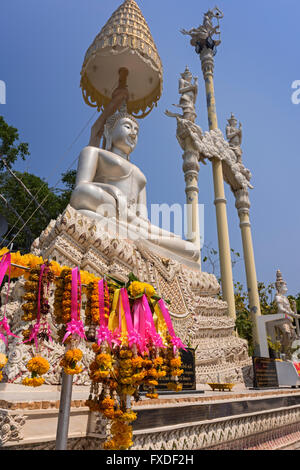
(3, 361)
(122, 362)
(38, 366)
(92, 307)
(138, 288)
(70, 360)
(30, 307)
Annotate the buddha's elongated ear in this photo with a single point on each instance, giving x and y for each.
(108, 138)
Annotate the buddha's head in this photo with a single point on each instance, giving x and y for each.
(121, 133)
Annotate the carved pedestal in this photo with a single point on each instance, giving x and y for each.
(200, 318)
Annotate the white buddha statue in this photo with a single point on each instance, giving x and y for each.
(112, 190)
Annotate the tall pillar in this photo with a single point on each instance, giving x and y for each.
(191, 169)
(243, 206)
(188, 90)
(207, 62)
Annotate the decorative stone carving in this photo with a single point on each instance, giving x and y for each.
(124, 39)
(234, 136)
(199, 316)
(188, 92)
(10, 427)
(205, 32)
(241, 432)
(287, 333)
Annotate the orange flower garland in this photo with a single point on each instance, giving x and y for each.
(69, 361)
(38, 366)
(3, 361)
(31, 287)
(92, 306)
(127, 357)
(62, 297)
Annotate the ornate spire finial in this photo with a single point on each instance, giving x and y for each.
(279, 280)
(204, 36)
(124, 41)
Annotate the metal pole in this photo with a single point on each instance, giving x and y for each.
(64, 412)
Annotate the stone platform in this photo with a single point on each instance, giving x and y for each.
(239, 420)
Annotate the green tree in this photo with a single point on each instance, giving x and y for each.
(10, 149)
(68, 179)
(17, 202)
(26, 200)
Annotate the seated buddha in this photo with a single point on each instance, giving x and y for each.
(112, 190)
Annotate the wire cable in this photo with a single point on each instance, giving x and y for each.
(45, 184)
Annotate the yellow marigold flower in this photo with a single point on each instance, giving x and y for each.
(137, 288)
(152, 372)
(161, 373)
(158, 361)
(137, 362)
(73, 355)
(175, 363)
(147, 363)
(38, 365)
(110, 445)
(72, 371)
(3, 251)
(109, 413)
(152, 395)
(108, 403)
(29, 306)
(30, 296)
(176, 372)
(127, 390)
(77, 354)
(126, 380)
(125, 354)
(100, 374)
(125, 364)
(152, 382)
(138, 377)
(128, 416)
(149, 290)
(3, 360)
(33, 382)
(96, 348)
(176, 387)
(55, 268)
(104, 360)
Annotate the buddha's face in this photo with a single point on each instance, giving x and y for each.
(125, 135)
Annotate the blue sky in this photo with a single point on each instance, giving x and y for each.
(42, 46)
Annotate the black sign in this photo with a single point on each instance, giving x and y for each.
(265, 373)
(188, 378)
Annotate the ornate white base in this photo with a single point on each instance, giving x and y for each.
(200, 318)
(31, 422)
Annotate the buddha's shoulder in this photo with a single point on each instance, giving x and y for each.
(104, 155)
